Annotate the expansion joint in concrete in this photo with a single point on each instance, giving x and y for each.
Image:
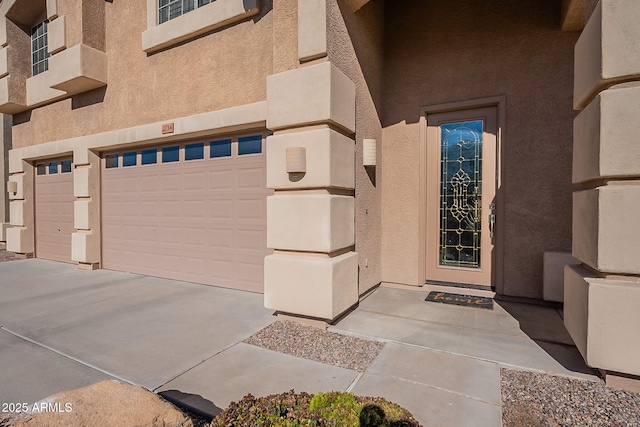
(60, 353)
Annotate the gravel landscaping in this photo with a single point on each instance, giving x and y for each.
(541, 400)
(316, 344)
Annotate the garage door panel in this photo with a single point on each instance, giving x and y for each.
(195, 208)
(251, 240)
(221, 180)
(202, 221)
(195, 181)
(221, 209)
(251, 209)
(250, 178)
(54, 216)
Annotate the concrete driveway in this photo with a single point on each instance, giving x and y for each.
(63, 328)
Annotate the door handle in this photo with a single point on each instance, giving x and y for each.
(492, 220)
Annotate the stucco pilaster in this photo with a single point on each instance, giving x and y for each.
(310, 218)
(602, 296)
(5, 146)
(85, 242)
(21, 237)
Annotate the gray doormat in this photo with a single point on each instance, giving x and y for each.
(458, 299)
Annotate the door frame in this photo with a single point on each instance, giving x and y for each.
(499, 103)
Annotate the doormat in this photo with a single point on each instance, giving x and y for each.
(458, 299)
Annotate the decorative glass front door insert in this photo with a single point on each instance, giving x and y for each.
(461, 188)
(461, 194)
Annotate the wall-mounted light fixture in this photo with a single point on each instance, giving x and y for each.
(369, 152)
(296, 160)
(12, 187)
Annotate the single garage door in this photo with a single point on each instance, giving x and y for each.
(54, 210)
(193, 211)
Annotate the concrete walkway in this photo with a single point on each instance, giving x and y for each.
(63, 328)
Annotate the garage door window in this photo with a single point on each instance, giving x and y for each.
(170, 154)
(65, 165)
(194, 151)
(53, 168)
(250, 145)
(188, 151)
(129, 159)
(150, 157)
(220, 148)
(42, 169)
(111, 161)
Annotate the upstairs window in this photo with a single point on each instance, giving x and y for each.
(39, 49)
(170, 9)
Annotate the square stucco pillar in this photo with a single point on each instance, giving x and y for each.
(606, 232)
(605, 136)
(602, 317)
(314, 286)
(607, 51)
(310, 218)
(21, 237)
(5, 146)
(602, 296)
(85, 242)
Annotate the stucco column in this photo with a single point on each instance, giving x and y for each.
(603, 294)
(21, 237)
(85, 242)
(310, 163)
(5, 134)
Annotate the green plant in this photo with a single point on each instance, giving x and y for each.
(332, 409)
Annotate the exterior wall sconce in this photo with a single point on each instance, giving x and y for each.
(369, 152)
(12, 187)
(296, 160)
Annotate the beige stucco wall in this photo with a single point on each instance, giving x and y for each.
(72, 12)
(285, 35)
(355, 46)
(225, 68)
(486, 49)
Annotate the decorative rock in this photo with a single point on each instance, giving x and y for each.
(322, 346)
(107, 403)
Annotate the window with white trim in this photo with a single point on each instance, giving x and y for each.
(170, 9)
(39, 49)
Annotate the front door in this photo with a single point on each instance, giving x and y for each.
(461, 196)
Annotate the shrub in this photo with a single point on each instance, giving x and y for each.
(335, 409)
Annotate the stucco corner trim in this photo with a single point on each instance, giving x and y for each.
(197, 22)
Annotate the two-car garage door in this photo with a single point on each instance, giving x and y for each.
(193, 211)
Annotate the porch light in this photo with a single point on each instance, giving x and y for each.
(369, 152)
(12, 187)
(296, 160)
